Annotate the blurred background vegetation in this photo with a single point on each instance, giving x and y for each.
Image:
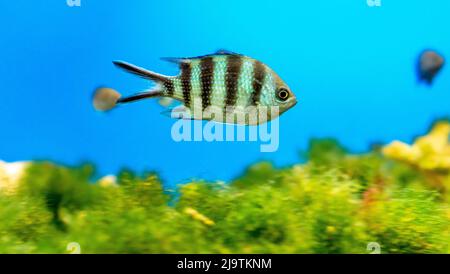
(336, 202)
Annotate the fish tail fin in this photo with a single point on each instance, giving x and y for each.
(141, 72)
(105, 99)
(139, 96)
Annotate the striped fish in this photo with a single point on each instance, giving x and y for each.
(223, 86)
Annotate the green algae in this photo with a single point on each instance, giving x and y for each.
(336, 202)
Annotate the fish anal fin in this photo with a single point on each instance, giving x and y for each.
(178, 112)
(181, 112)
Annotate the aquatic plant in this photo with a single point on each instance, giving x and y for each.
(429, 154)
(336, 202)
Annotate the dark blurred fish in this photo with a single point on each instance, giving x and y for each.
(428, 65)
(105, 98)
(225, 81)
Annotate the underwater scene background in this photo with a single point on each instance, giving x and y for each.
(349, 170)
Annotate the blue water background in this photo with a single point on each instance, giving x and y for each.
(350, 65)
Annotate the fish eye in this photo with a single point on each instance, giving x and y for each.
(283, 94)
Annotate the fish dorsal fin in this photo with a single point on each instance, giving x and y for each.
(225, 52)
(185, 60)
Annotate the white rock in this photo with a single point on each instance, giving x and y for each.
(10, 175)
(109, 180)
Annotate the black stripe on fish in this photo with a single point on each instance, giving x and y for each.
(234, 64)
(206, 80)
(186, 83)
(169, 87)
(259, 73)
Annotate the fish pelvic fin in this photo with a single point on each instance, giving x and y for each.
(141, 72)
